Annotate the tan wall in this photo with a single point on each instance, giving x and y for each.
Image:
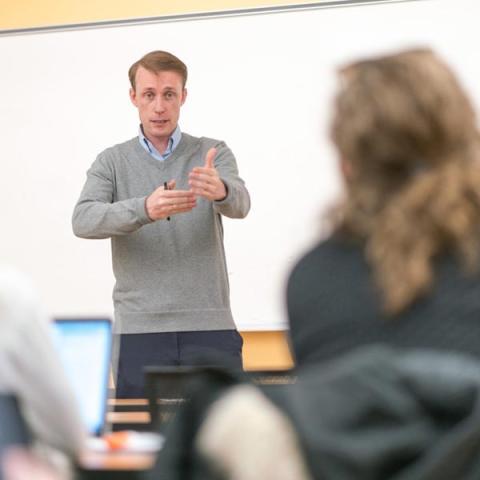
(266, 350)
(18, 14)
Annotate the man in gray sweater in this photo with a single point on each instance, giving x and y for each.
(160, 197)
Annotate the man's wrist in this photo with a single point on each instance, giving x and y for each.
(146, 208)
(226, 193)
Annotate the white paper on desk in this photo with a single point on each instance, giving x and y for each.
(136, 442)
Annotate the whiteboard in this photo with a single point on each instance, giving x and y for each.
(262, 83)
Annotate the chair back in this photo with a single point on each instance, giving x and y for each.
(166, 388)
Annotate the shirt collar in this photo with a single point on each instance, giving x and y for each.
(173, 142)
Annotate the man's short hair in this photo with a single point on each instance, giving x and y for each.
(156, 62)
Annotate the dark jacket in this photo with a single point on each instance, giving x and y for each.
(334, 307)
(374, 414)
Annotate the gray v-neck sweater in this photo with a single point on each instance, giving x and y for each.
(170, 275)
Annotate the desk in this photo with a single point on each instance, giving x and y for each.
(139, 404)
(124, 414)
(125, 418)
(113, 465)
(116, 461)
(128, 414)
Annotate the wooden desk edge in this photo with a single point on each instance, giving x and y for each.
(116, 460)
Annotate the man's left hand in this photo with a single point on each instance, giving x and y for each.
(205, 181)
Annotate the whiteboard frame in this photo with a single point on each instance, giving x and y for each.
(199, 15)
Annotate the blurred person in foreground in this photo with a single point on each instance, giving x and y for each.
(31, 371)
(19, 463)
(384, 314)
(402, 264)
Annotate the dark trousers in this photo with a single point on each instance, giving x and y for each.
(132, 352)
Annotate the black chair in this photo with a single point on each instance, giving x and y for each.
(167, 387)
(13, 429)
(272, 377)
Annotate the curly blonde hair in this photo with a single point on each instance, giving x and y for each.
(407, 132)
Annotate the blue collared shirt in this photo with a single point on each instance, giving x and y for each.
(173, 142)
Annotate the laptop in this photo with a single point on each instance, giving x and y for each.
(84, 345)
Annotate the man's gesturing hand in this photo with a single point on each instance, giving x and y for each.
(162, 203)
(205, 181)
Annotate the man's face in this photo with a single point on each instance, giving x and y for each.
(158, 97)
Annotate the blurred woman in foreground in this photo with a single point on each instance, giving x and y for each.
(384, 314)
(402, 264)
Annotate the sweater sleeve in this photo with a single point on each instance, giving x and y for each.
(97, 214)
(237, 202)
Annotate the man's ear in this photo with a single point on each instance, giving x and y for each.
(133, 96)
(184, 96)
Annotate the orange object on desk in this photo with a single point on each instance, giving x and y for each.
(117, 440)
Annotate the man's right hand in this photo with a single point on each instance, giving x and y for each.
(162, 203)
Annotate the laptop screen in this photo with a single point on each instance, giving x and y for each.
(85, 348)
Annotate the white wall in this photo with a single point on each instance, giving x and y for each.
(262, 83)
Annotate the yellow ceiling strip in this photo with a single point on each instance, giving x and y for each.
(23, 14)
